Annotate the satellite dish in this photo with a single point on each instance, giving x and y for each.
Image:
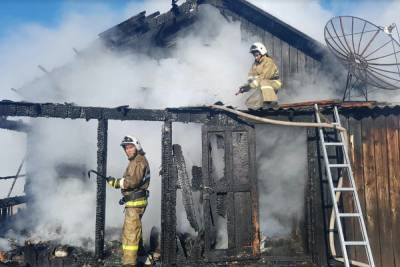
(370, 53)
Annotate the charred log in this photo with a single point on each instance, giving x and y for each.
(13, 125)
(102, 133)
(12, 177)
(196, 178)
(12, 201)
(168, 199)
(184, 182)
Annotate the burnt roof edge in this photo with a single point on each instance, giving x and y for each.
(275, 26)
(197, 114)
(242, 8)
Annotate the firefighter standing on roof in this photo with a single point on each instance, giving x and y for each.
(263, 79)
(134, 184)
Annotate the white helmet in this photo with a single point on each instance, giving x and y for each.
(131, 140)
(258, 47)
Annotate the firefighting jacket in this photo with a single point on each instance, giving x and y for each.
(137, 174)
(266, 69)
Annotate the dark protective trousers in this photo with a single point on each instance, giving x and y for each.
(132, 235)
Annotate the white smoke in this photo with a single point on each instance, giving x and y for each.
(10, 161)
(297, 13)
(205, 67)
(196, 71)
(281, 171)
(4, 244)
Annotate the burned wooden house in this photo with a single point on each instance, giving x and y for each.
(231, 193)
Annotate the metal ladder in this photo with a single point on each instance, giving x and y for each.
(345, 166)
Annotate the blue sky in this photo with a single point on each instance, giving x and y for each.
(46, 12)
(49, 12)
(340, 6)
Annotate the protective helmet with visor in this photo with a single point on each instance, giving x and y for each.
(258, 47)
(131, 140)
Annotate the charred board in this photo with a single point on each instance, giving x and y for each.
(186, 187)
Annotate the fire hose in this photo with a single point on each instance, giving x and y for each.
(277, 122)
(304, 124)
(285, 123)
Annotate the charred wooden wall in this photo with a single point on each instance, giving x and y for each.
(374, 141)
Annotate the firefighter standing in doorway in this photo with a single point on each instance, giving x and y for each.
(133, 185)
(263, 79)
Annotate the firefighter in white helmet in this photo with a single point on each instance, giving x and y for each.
(263, 79)
(133, 185)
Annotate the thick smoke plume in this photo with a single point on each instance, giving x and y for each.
(281, 171)
(195, 73)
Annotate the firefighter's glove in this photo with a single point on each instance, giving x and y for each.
(114, 182)
(243, 89)
(252, 82)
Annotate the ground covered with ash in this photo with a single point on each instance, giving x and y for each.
(49, 254)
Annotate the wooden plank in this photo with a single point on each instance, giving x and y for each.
(255, 216)
(381, 163)
(268, 42)
(293, 61)
(12, 201)
(240, 157)
(243, 220)
(356, 158)
(233, 234)
(346, 197)
(372, 221)
(256, 33)
(393, 136)
(309, 65)
(301, 64)
(285, 63)
(102, 137)
(168, 199)
(277, 56)
(207, 196)
(260, 35)
(316, 65)
(316, 230)
(244, 29)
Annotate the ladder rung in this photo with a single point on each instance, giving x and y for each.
(349, 214)
(355, 243)
(345, 165)
(333, 144)
(343, 189)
